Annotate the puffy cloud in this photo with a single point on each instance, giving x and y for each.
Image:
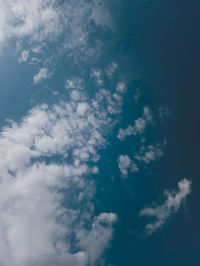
(46, 196)
(36, 22)
(74, 83)
(97, 75)
(99, 237)
(172, 203)
(121, 86)
(42, 75)
(146, 154)
(139, 126)
(125, 164)
(35, 19)
(149, 154)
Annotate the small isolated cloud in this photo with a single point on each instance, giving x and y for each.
(125, 164)
(111, 69)
(24, 56)
(74, 83)
(42, 75)
(96, 74)
(121, 87)
(137, 95)
(139, 126)
(172, 203)
(149, 154)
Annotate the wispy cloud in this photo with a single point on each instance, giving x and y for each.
(172, 203)
(43, 74)
(24, 56)
(139, 126)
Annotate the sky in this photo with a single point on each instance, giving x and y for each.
(99, 142)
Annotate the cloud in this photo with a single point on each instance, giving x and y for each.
(74, 83)
(139, 126)
(35, 19)
(97, 75)
(138, 94)
(111, 69)
(99, 237)
(47, 169)
(69, 25)
(171, 205)
(121, 87)
(149, 154)
(24, 56)
(145, 155)
(43, 74)
(125, 164)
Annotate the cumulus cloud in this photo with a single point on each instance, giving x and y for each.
(43, 74)
(37, 22)
(46, 196)
(125, 164)
(121, 87)
(74, 83)
(139, 126)
(99, 237)
(145, 155)
(149, 154)
(96, 74)
(171, 205)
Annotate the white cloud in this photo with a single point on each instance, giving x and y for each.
(125, 164)
(149, 154)
(121, 87)
(99, 237)
(97, 75)
(139, 126)
(24, 56)
(43, 74)
(35, 19)
(36, 22)
(74, 83)
(146, 154)
(172, 203)
(111, 69)
(46, 195)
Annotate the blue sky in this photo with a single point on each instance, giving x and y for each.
(99, 133)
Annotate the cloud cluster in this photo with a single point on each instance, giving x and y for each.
(125, 164)
(149, 154)
(70, 24)
(47, 162)
(172, 203)
(144, 156)
(139, 126)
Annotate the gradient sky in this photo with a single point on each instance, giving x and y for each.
(99, 144)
